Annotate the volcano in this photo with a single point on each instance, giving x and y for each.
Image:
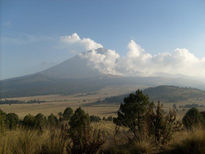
(78, 75)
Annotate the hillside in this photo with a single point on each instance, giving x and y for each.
(167, 94)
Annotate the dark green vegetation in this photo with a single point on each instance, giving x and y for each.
(191, 106)
(193, 118)
(8, 121)
(94, 118)
(166, 94)
(141, 126)
(11, 102)
(146, 120)
(73, 136)
(5, 101)
(174, 94)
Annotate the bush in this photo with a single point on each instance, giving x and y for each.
(40, 121)
(2, 121)
(146, 120)
(109, 118)
(203, 115)
(162, 125)
(133, 114)
(8, 121)
(192, 118)
(53, 121)
(12, 120)
(94, 118)
(84, 138)
(29, 121)
(68, 112)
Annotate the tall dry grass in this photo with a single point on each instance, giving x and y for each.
(22, 141)
(29, 142)
(187, 142)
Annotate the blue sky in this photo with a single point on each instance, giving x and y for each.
(31, 29)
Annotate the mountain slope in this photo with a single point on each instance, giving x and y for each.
(75, 68)
(39, 84)
(43, 84)
(71, 76)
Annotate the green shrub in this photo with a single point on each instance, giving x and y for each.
(162, 125)
(12, 120)
(94, 118)
(133, 114)
(109, 118)
(84, 138)
(29, 121)
(68, 112)
(40, 121)
(192, 118)
(2, 121)
(52, 121)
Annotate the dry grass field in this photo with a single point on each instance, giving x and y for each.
(56, 106)
(57, 103)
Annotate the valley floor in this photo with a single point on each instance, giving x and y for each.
(57, 103)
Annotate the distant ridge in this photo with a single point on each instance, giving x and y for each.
(165, 93)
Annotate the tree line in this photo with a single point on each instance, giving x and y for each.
(40, 121)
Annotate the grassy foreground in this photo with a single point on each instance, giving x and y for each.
(22, 141)
(140, 127)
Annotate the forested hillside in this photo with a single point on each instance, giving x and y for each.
(167, 94)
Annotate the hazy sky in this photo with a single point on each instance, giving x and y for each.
(32, 30)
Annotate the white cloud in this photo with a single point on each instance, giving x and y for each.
(179, 62)
(137, 61)
(103, 60)
(87, 43)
